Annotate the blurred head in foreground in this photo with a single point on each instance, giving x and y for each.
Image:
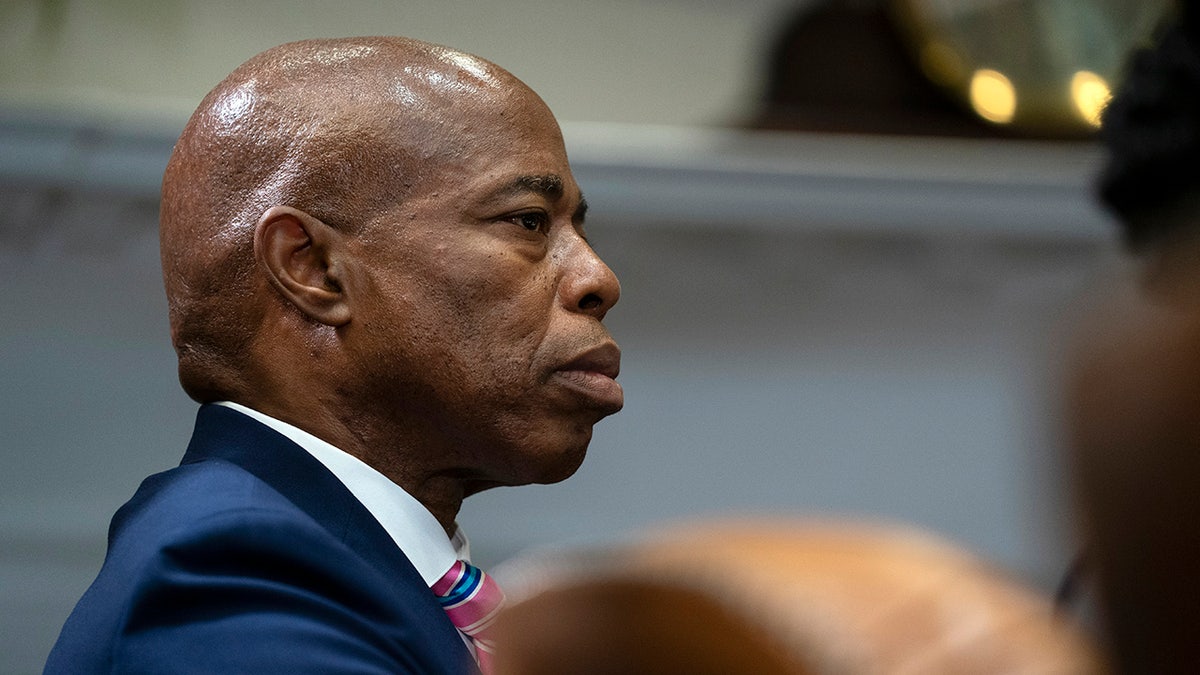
(1133, 396)
(788, 597)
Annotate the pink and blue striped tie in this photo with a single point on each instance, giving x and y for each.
(472, 600)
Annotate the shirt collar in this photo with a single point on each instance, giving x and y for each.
(414, 529)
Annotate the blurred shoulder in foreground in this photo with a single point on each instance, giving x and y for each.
(796, 597)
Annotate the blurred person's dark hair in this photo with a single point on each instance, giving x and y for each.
(1151, 130)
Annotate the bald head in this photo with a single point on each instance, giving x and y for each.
(342, 130)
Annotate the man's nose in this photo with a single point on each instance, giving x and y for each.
(586, 283)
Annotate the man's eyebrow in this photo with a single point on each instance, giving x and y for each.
(549, 185)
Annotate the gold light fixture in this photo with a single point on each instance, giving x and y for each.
(1090, 93)
(1044, 67)
(992, 96)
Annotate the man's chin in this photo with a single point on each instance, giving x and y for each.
(542, 469)
(563, 469)
(554, 467)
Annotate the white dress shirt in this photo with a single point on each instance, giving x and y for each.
(413, 528)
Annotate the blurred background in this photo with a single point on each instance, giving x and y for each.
(852, 238)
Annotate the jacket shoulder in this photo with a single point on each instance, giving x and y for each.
(211, 570)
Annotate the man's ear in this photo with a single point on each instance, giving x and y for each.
(302, 256)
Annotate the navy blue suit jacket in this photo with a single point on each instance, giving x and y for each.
(250, 557)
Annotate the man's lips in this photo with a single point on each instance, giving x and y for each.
(604, 359)
(593, 374)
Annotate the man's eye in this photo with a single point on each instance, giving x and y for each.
(534, 222)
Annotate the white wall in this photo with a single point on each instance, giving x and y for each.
(645, 61)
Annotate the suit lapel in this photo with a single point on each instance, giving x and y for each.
(224, 433)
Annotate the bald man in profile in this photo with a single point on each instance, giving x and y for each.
(381, 293)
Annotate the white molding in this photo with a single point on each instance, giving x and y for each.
(696, 178)
(731, 179)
